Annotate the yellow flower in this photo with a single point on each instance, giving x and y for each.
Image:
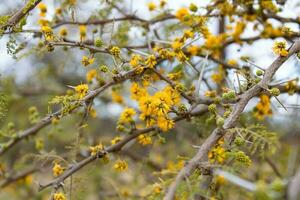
(181, 13)
(217, 154)
(82, 32)
(120, 165)
(81, 90)
(232, 62)
(116, 140)
(116, 97)
(58, 11)
(43, 22)
(126, 115)
(188, 34)
(137, 92)
(59, 196)
(96, 149)
(263, 108)
(63, 32)
(165, 123)
(93, 113)
(48, 33)
(135, 59)
(193, 50)
(87, 61)
(176, 45)
(151, 61)
(115, 51)
(57, 169)
(90, 75)
(151, 6)
(157, 189)
(144, 139)
(279, 48)
(43, 9)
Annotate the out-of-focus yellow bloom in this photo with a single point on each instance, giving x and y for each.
(81, 90)
(120, 166)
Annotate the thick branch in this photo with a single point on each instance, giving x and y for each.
(229, 123)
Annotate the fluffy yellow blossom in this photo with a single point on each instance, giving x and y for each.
(48, 33)
(165, 123)
(232, 62)
(116, 97)
(176, 45)
(43, 9)
(151, 61)
(239, 29)
(82, 32)
(57, 169)
(116, 140)
(214, 42)
(126, 115)
(43, 22)
(279, 48)
(193, 50)
(59, 196)
(181, 56)
(263, 108)
(135, 60)
(87, 61)
(137, 92)
(81, 90)
(217, 154)
(58, 11)
(144, 139)
(63, 32)
(157, 188)
(151, 6)
(120, 165)
(115, 51)
(90, 75)
(96, 149)
(182, 13)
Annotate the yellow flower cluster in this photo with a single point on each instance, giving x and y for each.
(63, 32)
(87, 61)
(57, 169)
(279, 48)
(151, 61)
(151, 6)
(96, 149)
(154, 109)
(239, 29)
(82, 32)
(116, 97)
(59, 196)
(115, 51)
(81, 90)
(48, 33)
(218, 153)
(120, 165)
(43, 9)
(90, 75)
(135, 60)
(116, 140)
(263, 108)
(182, 13)
(126, 116)
(144, 139)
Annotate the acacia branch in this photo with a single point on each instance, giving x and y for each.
(112, 149)
(218, 133)
(15, 18)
